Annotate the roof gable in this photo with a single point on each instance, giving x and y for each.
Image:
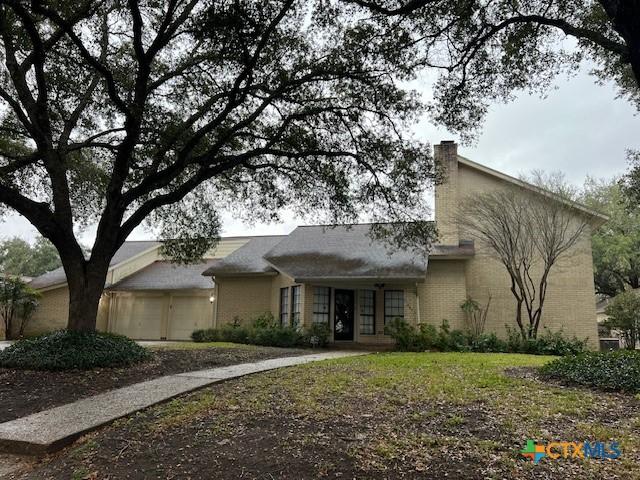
(598, 218)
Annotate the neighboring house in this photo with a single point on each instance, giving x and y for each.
(337, 276)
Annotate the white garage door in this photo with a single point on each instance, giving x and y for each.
(188, 313)
(140, 316)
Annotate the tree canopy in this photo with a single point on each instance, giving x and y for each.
(121, 113)
(616, 244)
(19, 257)
(487, 50)
(117, 113)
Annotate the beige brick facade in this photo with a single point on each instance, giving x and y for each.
(570, 303)
(446, 193)
(242, 298)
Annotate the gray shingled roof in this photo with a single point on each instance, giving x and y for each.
(319, 252)
(126, 251)
(248, 259)
(164, 275)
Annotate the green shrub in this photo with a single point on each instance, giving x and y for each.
(208, 335)
(265, 320)
(234, 333)
(615, 371)
(428, 337)
(487, 342)
(67, 350)
(547, 343)
(624, 315)
(319, 333)
(264, 331)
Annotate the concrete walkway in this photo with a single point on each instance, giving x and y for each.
(52, 429)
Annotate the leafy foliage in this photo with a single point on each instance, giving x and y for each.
(264, 330)
(616, 244)
(616, 370)
(18, 257)
(486, 51)
(68, 350)
(167, 113)
(444, 339)
(18, 302)
(623, 313)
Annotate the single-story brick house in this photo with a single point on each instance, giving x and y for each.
(334, 275)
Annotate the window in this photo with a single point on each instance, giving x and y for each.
(393, 305)
(295, 306)
(284, 306)
(367, 312)
(321, 297)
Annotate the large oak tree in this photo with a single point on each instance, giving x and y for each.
(486, 50)
(116, 113)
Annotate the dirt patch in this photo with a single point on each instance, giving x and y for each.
(23, 392)
(372, 417)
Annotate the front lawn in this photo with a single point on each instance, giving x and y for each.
(392, 415)
(26, 391)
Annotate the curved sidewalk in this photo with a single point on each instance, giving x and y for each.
(52, 429)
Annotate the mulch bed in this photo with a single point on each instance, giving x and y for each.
(23, 392)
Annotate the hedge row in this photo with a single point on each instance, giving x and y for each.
(265, 335)
(614, 371)
(428, 337)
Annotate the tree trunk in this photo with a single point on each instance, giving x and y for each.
(624, 15)
(86, 283)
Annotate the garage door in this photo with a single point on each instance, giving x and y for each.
(188, 313)
(139, 316)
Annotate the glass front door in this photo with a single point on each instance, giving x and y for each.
(344, 315)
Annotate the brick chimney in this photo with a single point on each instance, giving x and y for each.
(446, 192)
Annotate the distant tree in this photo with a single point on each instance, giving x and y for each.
(18, 257)
(624, 316)
(118, 113)
(528, 232)
(18, 302)
(616, 244)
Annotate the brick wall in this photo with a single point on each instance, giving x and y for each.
(570, 302)
(443, 292)
(244, 297)
(446, 193)
(51, 314)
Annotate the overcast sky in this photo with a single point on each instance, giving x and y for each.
(580, 129)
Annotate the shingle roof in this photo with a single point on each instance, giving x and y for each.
(248, 259)
(343, 252)
(126, 251)
(164, 275)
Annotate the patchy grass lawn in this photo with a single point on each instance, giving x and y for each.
(24, 392)
(393, 415)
